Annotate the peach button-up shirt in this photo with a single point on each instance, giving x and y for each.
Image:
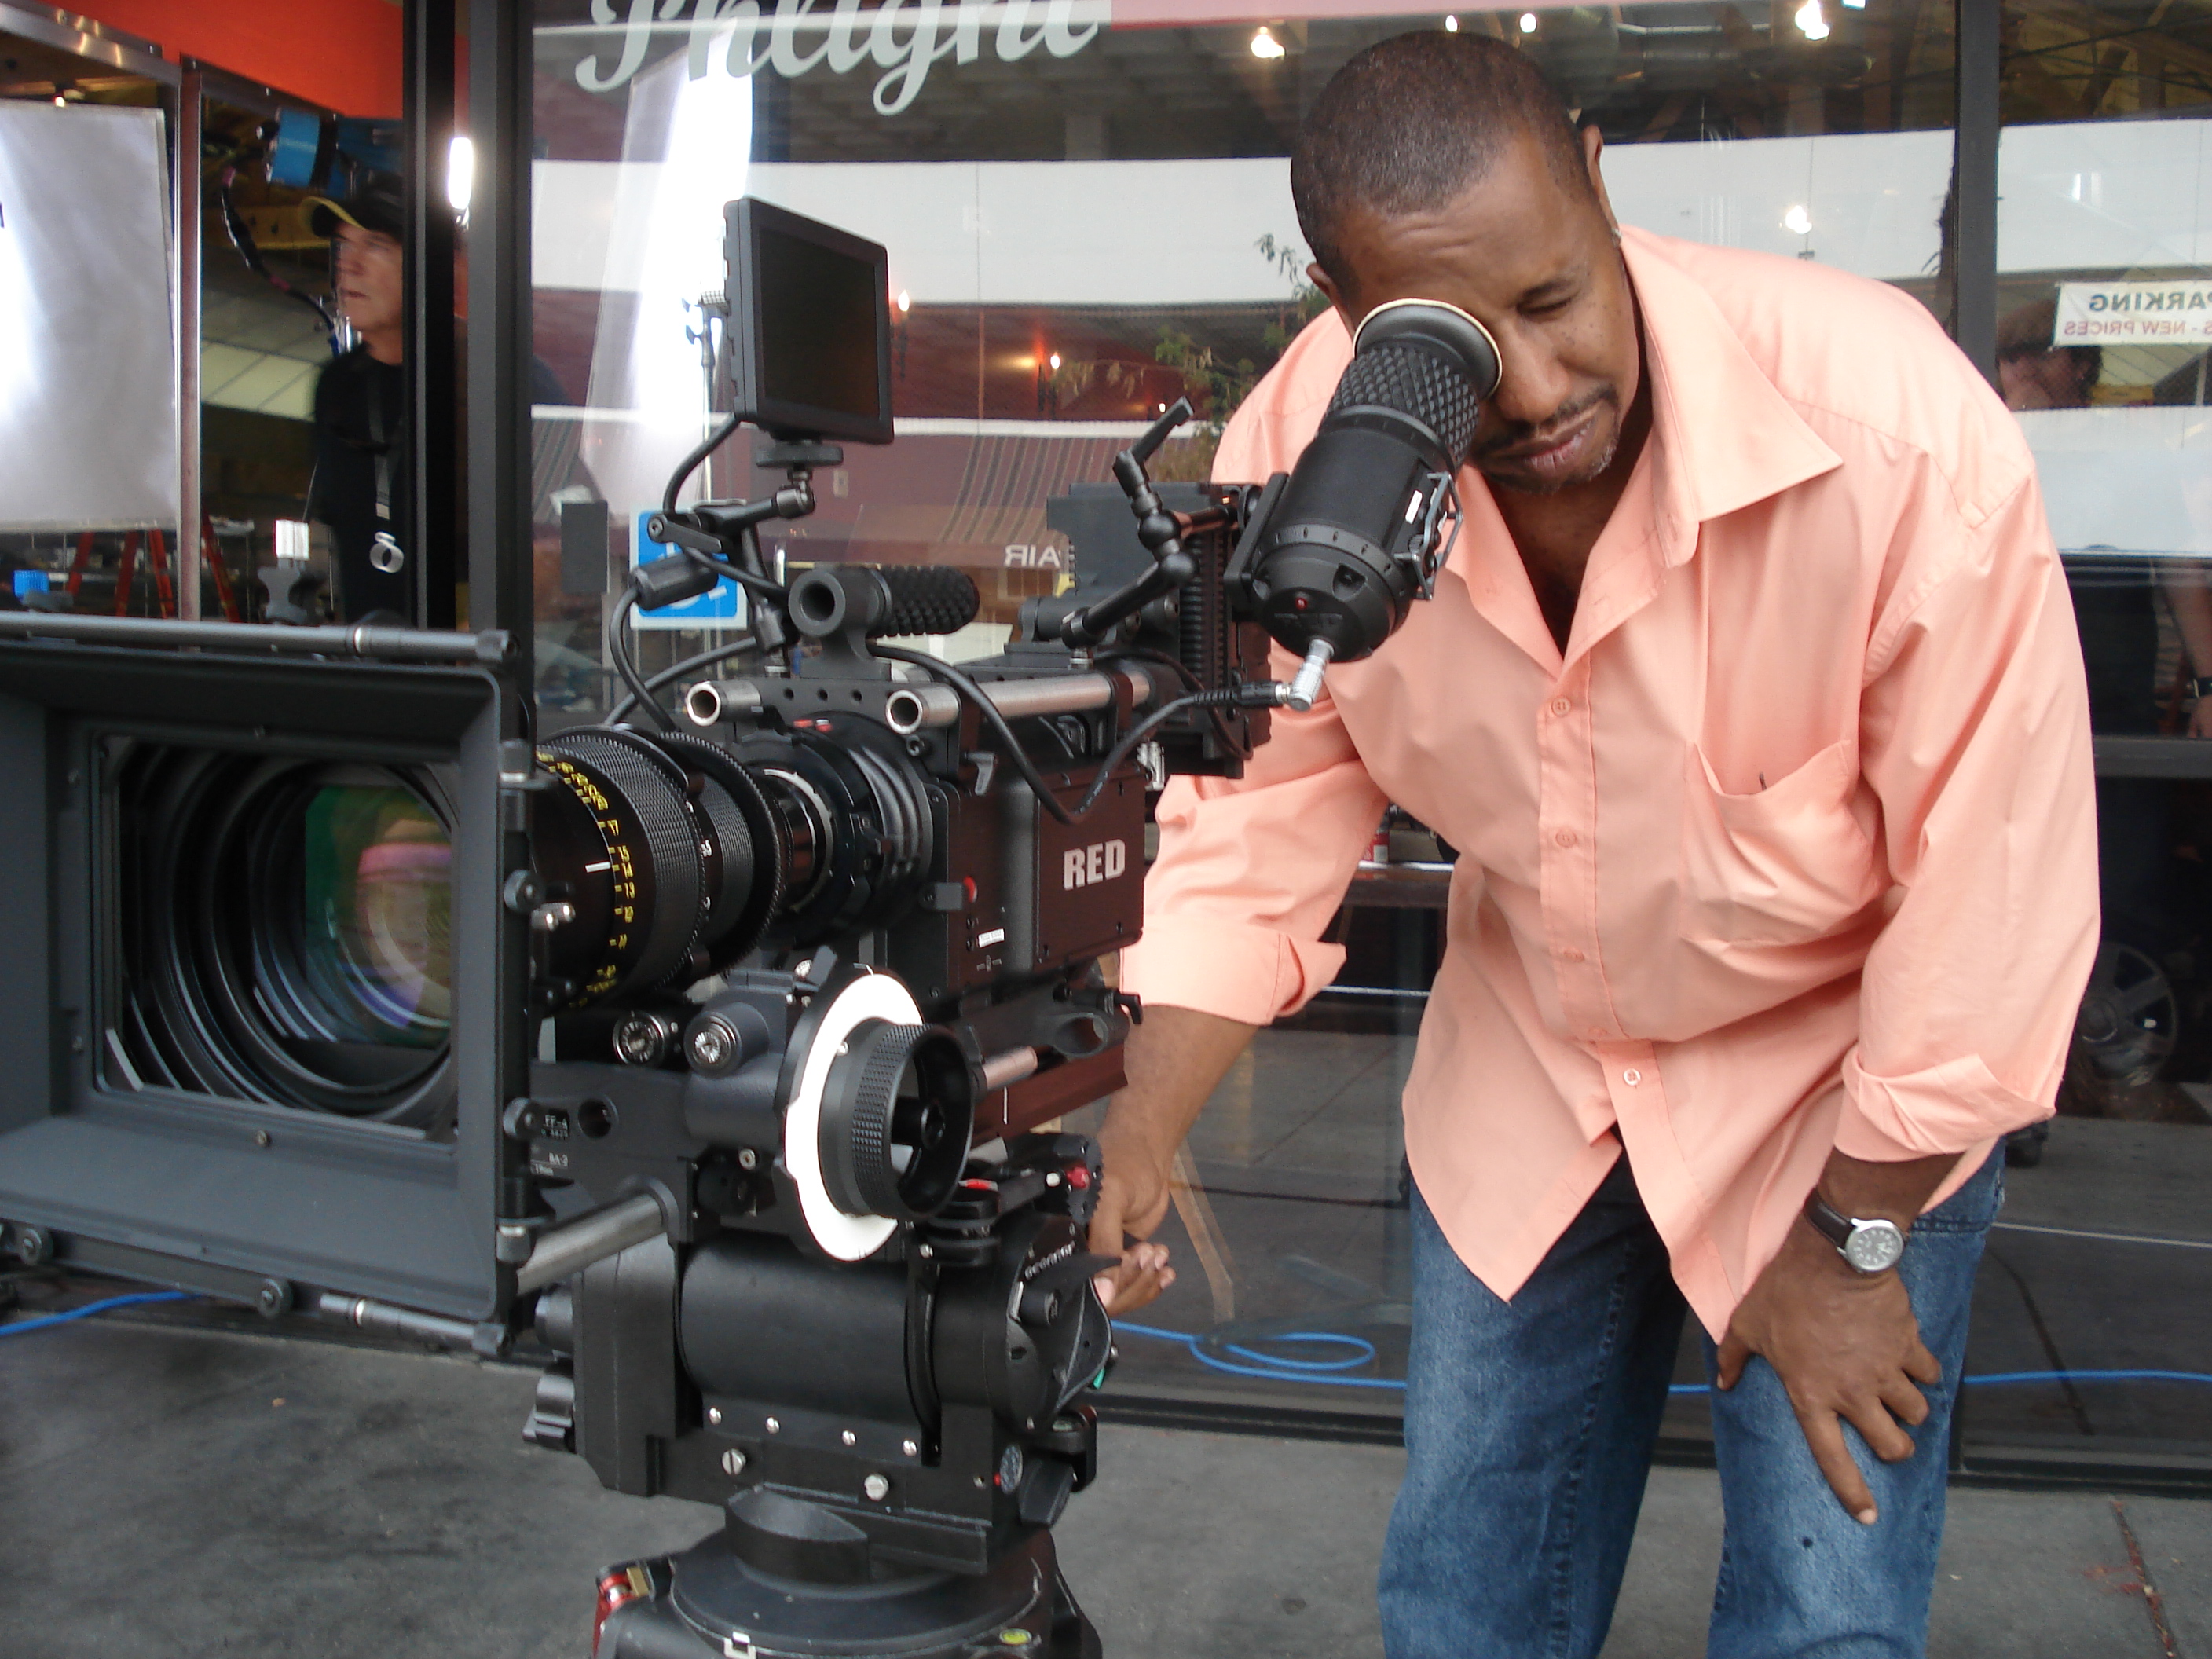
(1792, 849)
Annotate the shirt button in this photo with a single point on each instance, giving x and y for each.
(1564, 838)
(1561, 706)
(1631, 1076)
(1572, 954)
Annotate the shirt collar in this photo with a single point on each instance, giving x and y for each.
(1724, 436)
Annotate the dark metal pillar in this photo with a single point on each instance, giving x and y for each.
(192, 108)
(499, 549)
(1974, 184)
(499, 569)
(432, 382)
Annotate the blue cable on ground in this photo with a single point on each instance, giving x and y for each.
(47, 1322)
(1279, 1368)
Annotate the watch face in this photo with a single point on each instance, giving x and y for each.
(1874, 1246)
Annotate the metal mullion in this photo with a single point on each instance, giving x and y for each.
(501, 47)
(1974, 179)
(191, 113)
(499, 358)
(429, 365)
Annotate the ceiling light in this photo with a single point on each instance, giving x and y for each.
(1809, 20)
(1451, 25)
(460, 174)
(905, 302)
(1054, 360)
(1264, 45)
(1527, 22)
(1798, 221)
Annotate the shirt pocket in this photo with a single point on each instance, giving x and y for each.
(1783, 866)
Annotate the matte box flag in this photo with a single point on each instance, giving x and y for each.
(2133, 314)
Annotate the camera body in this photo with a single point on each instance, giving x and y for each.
(930, 913)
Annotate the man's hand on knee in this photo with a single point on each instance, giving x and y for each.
(1844, 1344)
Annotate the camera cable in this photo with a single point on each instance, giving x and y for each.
(1161, 659)
(684, 468)
(736, 647)
(47, 1322)
(617, 649)
(1239, 1360)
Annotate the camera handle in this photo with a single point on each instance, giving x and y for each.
(722, 539)
(1160, 531)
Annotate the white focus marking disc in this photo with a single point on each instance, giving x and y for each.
(847, 1237)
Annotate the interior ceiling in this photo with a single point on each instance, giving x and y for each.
(31, 69)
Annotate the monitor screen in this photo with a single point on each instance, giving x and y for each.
(819, 348)
(810, 329)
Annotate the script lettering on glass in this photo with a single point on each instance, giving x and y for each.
(902, 37)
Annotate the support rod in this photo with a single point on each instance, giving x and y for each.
(491, 648)
(918, 707)
(572, 1248)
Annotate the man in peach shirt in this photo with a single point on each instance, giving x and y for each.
(1751, 697)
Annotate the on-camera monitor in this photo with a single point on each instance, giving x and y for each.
(809, 326)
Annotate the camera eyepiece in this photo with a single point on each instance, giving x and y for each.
(1364, 522)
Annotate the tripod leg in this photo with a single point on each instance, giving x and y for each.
(1073, 1636)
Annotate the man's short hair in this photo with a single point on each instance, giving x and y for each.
(1412, 121)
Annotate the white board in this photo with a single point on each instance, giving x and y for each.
(88, 430)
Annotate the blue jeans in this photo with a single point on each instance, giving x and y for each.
(1529, 1426)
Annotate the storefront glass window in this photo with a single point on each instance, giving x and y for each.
(1088, 215)
(2102, 300)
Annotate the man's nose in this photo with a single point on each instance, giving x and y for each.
(1532, 382)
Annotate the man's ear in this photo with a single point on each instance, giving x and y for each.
(1593, 147)
(1321, 279)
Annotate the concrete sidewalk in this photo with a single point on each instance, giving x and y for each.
(171, 1491)
(1220, 1546)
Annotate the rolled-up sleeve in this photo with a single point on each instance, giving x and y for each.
(1250, 872)
(1974, 735)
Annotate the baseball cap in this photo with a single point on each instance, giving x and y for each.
(374, 203)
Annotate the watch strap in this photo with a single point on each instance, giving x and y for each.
(1831, 1222)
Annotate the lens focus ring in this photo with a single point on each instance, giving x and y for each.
(856, 1123)
(897, 1108)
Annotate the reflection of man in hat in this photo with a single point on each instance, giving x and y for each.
(362, 489)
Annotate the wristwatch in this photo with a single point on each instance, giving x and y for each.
(1872, 1247)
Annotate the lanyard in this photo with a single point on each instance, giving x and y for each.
(385, 551)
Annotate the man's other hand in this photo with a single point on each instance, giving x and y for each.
(1132, 1201)
(1847, 1349)
(1174, 1060)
